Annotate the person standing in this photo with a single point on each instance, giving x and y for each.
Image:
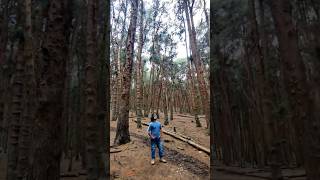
(155, 134)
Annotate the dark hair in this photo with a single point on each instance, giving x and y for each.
(152, 117)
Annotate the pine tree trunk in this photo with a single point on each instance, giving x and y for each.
(195, 96)
(16, 102)
(207, 19)
(102, 92)
(139, 85)
(115, 89)
(198, 62)
(95, 103)
(29, 99)
(48, 147)
(170, 102)
(151, 89)
(122, 133)
(159, 94)
(119, 84)
(165, 107)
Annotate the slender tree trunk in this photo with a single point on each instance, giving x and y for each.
(120, 69)
(115, 89)
(165, 107)
(17, 102)
(171, 102)
(122, 134)
(151, 89)
(195, 96)
(198, 62)
(29, 98)
(160, 88)
(207, 18)
(139, 68)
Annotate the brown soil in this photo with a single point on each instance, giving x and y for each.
(183, 161)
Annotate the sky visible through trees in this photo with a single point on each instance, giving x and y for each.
(170, 18)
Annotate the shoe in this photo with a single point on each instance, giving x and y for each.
(162, 160)
(152, 162)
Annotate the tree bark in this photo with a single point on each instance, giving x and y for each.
(29, 98)
(120, 70)
(297, 86)
(122, 133)
(198, 62)
(4, 30)
(49, 123)
(264, 97)
(16, 101)
(139, 85)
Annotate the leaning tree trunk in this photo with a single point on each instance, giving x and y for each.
(296, 83)
(122, 134)
(198, 62)
(192, 85)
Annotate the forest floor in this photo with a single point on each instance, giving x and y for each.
(183, 161)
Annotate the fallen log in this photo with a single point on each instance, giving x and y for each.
(189, 138)
(172, 134)
(115, 150)
(186, 137)
(189, 116)
(206, 150)
(181, 115)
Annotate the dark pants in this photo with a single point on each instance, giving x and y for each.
(156, 142)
